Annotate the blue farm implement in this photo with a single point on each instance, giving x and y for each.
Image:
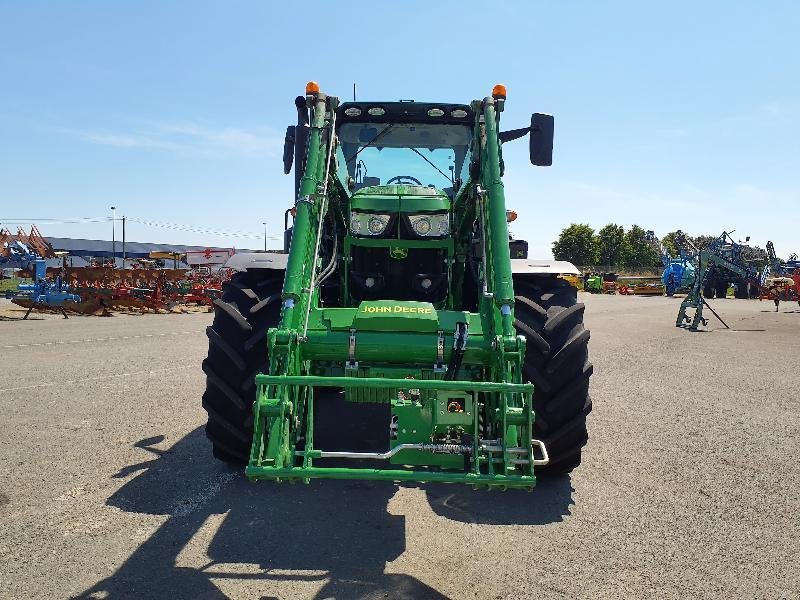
(44, 293)
(678, 271)
(28, 252)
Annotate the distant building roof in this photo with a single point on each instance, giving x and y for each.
(104, 248)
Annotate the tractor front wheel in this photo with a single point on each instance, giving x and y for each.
(237, 351)
(550, 318)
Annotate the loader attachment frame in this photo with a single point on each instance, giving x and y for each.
(507, 461)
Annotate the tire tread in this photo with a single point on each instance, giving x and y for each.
(237, 351)
(548, 307)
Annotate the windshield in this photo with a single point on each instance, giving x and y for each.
(404, 153)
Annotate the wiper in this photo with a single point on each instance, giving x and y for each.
(431, 164)
(372, 141)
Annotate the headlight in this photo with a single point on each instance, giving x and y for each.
(430, 224)
(368, 224)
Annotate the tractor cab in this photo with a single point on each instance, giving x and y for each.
(404, 143)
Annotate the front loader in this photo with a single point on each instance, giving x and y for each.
(395, 338)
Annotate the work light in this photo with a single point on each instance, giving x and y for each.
(368, 224)
(430, 224)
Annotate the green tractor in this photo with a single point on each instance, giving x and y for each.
(395, 338)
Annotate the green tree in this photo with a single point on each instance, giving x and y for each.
(755, 255)
(576, 244)
(610, 241)
(701, 241)
(670, 244)
(637, 252)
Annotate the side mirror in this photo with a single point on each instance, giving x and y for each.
(288, 149)
(541, 148)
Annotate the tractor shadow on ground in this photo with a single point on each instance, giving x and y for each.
(549, 503)
(334, 536)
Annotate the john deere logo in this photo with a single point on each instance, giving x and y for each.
(397, 308)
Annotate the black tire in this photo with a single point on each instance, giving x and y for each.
(549, 316)
(237, 351)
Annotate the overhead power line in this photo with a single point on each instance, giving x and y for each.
(55, 220)
(203, 230)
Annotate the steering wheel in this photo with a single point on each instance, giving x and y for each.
(399, 179)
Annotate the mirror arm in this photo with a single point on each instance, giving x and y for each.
(513, 134)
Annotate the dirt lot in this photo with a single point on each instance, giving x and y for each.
(690, 485)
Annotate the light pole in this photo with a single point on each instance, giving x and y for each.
(124, 256)
(264, 223)
(113, 235)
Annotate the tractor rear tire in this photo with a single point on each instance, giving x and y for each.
(237, 351)
(549, 316)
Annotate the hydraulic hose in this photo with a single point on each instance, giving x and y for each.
(330, 268)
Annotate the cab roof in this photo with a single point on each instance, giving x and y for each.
(405, 112)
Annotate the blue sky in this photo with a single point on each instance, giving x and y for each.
(685, 115)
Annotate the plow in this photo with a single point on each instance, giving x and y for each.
(100, 288)
(780, 281)
(640, 286)
(144, 290)
(396, 338)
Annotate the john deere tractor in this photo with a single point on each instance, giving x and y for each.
(395, 338)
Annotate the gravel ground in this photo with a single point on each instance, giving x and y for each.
(690, 485)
